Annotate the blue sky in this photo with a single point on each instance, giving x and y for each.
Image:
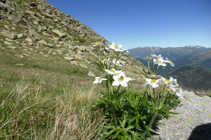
(140, 23)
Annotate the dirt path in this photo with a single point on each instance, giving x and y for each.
(193, 122)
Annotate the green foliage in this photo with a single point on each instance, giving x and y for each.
(127, 114)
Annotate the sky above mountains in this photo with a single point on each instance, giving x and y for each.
(140, 23)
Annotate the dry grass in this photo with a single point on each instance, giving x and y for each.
(61, 112)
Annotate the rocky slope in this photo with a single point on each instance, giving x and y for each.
(36, 26)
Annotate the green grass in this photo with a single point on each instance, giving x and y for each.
(29, 109)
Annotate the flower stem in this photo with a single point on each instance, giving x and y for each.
(146, 88)
(164, 89)
(148, 67)
(114, 115)
(153, 119)
(154, 93)
(162, 69)
(156, 68)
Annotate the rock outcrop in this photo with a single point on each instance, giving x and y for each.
(36, 25)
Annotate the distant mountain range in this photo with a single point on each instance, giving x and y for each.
(180, 56)
(173, 53)
(192, 77)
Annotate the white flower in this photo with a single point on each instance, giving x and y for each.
(106, 60)
(160, 61)
(166, 81)
(152, 82)
(123, 63)
(96, 44)
(170, 62)
(121, 79)
(98, 80)
(177, 90)
(173, 81)
(104, 52)
(148, 58)
(116, 47)
(154, 56)
(112, 71)
(154, 76)
(116, 62)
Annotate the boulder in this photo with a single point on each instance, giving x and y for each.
(8, 34)
(58, 33)
(17, 20)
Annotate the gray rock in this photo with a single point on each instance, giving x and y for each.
(74, 63)
(78, 56)
(7, 43)
(29, 40)
(12, 47)
(49, 11)
(60, 34)
(8, 34)
(30, 12)
(42, 42)
(20, 35)
(17, 20)
(91, 74)
(3, 7)
(69, 58)
(84, 66)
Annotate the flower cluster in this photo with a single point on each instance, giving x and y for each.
(111, 65)
(154, 80)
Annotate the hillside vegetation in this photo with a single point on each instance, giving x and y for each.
(192, 77)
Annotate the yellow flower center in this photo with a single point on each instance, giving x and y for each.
(97, 42)
(112, 71)
(154, 75)
(116, 47)
(153, 81)
(170, 61)
(99, 79)
(167, 81)
(105, 59)
(120, 79)
(159, 62)
(117, 63)
(125, 76)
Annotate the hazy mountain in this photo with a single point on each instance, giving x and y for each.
(192, 77)
(173, 53)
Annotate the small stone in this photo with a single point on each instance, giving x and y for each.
(20, 36)
(29, 40)
(69, 58)
(91, 74)
(74, 63)
(7, 43)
